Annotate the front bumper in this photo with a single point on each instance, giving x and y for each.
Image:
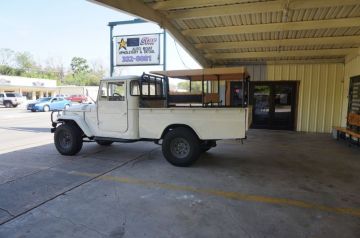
(34, 108)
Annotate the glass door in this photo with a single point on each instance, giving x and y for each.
(274, 105)
(261, 105)
(283, 104)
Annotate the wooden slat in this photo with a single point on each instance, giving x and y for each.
(201, 72)
(256, 7)
(340, 40)
(272, 27)
(176, 4)
(354, 119)
(276, 54)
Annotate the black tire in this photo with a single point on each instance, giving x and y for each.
(104, 142)
(8, 104)
(181, 147)
(207, 145)
(68, 139)
(33, 110)
(46, 108)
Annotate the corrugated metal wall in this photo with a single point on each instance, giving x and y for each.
(320, 93)
(352, 68)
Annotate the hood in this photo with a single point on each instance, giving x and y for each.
(81, 108)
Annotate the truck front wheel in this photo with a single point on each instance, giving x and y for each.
(181, 147)
(68, 139)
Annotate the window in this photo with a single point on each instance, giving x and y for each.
(10, 94)
(152, 88)
(135, 89)
(1, 95)
(112, 91)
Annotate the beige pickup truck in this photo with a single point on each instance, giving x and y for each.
(141, 108)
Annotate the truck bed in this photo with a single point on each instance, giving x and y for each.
(208, 123)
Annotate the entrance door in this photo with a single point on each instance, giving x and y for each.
(274, 105)
(112, 107)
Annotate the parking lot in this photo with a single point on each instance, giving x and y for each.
(276, 184)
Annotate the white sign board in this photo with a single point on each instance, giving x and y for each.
(138, 50)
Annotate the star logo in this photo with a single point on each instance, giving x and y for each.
(122, 44)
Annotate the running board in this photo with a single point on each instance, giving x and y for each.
(120, 140)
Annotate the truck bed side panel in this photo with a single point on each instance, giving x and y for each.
(208, 123)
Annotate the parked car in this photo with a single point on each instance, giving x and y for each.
(49, 104)
(61, 95)
(77, 98)
(11, 99)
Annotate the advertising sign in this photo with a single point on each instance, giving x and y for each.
(138, 50)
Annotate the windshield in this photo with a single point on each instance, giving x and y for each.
(43, 99)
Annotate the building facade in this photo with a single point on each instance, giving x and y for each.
(34, 88)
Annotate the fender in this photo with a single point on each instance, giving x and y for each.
(80, 122)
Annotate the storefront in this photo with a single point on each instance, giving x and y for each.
(31, 88)
(34, 88)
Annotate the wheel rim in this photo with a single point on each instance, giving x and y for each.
(67, 106)
(65, 139)
(46, 108)
(180, 148)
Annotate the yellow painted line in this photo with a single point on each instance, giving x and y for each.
(229, 195)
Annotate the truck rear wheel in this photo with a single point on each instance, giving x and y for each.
(68, 139)
(181, 147)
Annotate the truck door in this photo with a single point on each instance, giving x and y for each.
(112, 107)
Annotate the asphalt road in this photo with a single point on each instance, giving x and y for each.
(23, 129)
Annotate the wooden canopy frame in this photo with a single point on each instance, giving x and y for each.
(207, 74)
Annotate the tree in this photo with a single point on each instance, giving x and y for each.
(25, 61)
(196, 86)
(79, 65)
(7, 57)
(7, 70)
(82, 74)
(55, 68)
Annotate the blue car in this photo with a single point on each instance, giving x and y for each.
(49, 104)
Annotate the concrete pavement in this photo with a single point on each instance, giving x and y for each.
(278, 184)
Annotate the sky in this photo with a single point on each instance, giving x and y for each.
(62, 29)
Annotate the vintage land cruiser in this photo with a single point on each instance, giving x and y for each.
(142, 108)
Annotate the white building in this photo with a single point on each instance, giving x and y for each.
(34, 88)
